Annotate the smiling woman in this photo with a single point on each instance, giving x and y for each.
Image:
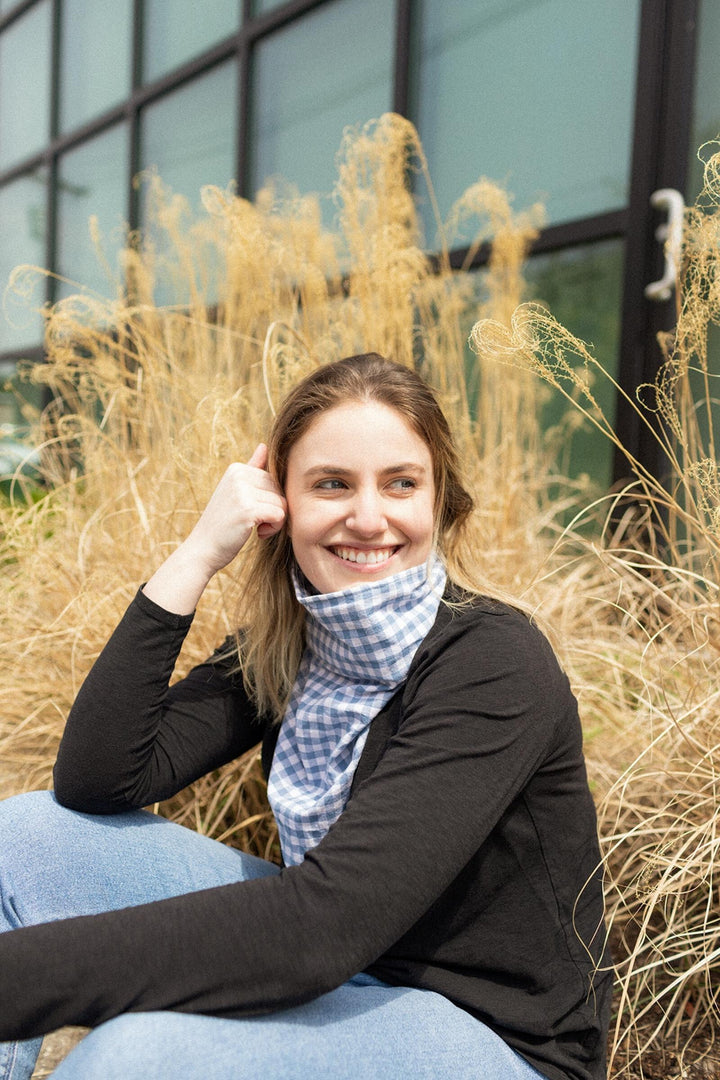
(367, 513)
(439, 908)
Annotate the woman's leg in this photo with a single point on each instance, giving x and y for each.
(55, 863)
(361, 1030)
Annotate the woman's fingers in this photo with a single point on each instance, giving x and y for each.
(246, 497)
(259, 457)
(274, 516)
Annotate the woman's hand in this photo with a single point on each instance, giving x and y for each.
(246, 498)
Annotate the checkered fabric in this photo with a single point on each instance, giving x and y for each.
(360, 642)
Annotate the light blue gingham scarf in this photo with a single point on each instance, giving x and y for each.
(359, 644)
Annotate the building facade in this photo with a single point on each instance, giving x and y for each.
(588, 107)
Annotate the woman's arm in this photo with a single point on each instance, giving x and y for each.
(129, 740)
(481, 715)
(246, 498)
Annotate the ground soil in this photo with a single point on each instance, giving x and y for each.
(55, 1047)
(667, 1064)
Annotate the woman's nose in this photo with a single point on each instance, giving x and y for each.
(366, 514)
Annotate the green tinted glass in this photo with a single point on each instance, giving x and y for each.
(259, 7)
(331, 68)
(16, 394)
(95, 58)
(23, 232)
(535, 94)
(189, 135)
(706, 118)
(582, 288)
(189, 138)
(706, 129)
(92, 181)
(25, 85)
(177, 30)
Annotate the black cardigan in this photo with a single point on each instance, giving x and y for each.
(466, 861)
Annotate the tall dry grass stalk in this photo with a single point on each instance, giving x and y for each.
(641, 630)
(153, 400)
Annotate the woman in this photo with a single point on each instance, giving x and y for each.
(439, 911)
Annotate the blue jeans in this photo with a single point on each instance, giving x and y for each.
(55, 863)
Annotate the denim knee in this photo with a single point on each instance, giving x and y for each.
(19, 810)
(133, 1046)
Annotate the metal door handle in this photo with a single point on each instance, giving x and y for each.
(670, 235)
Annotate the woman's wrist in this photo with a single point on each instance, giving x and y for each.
(180, 581)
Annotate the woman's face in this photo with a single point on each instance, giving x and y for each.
(360, 494)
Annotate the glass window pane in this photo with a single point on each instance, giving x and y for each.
(189, 138)
(311, 79)
(582, 288)
(25, 85)
(23, 230)
(176, 30)
(6, 6)
(92, 180)
(706, 119)
(189, 135)
(20, 400)
(706, 128)
(96, 58)
(259, 7)
(537, 95)
(10, 417)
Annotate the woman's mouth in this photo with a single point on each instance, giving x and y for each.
(364, 557)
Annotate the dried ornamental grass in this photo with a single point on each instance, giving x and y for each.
(154, 399)
(644, 658)
(157, 398)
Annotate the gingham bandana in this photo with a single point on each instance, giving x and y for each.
(359, 645)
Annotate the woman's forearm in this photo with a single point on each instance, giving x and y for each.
(108, 744)
(180, 581)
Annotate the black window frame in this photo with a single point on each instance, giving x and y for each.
(662, 123)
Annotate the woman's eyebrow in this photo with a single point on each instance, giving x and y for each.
(322, 470)
(407, 467)
(338, 470)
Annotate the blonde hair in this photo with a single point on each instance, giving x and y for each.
(272, 639)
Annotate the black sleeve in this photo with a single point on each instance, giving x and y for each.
(480, 713)
(130, 740)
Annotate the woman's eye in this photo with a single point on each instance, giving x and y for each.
(331, 484)
(403, 483)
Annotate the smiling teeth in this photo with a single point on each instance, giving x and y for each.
(365, 558)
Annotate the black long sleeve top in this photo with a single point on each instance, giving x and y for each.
(466, 861)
